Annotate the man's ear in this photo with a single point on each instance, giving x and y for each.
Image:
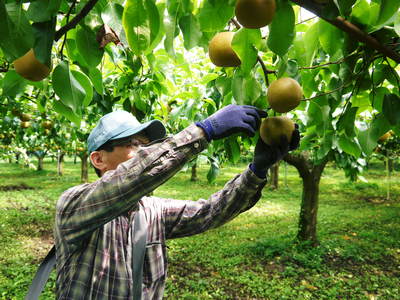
(96, 158)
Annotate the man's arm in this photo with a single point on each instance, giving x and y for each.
(184, 218)
(82, 209)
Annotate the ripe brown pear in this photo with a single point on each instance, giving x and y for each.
(25, 117)
(273, 128)
(47, 124)
(25, 124)
(220, 50)
(30, 68)
(255, 13)
(284, 94)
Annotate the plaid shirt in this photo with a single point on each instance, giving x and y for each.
(94, 221)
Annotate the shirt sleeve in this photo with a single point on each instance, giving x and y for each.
(184, 218)
(84, 208)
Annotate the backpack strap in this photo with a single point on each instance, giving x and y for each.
(42, 275)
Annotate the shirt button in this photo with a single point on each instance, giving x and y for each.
(196, 145)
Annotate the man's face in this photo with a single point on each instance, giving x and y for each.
(121, 152)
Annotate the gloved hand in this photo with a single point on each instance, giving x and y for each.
(232, 119)
(266, 155)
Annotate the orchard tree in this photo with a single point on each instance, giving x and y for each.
(150, 57)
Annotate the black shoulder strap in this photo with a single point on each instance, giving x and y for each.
(139, 249)
(140, 238)
(41, 276)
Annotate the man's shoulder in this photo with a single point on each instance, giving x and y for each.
(72, 193)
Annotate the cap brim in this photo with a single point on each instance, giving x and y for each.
(154, 130)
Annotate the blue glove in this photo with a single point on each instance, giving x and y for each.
(232, 119)
(266, 155)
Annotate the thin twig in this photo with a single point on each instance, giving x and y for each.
(67, 17)
(323, 65)
(329, 92)
(306, 20)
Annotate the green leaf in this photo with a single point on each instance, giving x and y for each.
(13, 84)
(282, 29)
(391, 108)
(112, 16)
(85, 82)
(215, 14)
(43, 10)
(141, 22)
(397, 24)
(191, 31)
(376, 98)
(73, 53)
(153, 20)
(330, 37)
(88, 47)
(97, 80)
(44, 37)
(232, 149)
(319, 113)
(344, 6)
(209, 77)
(388, 9)
(369, 134)
(16, 36)
(245, 88)
(68, 89)
(361, 12)
(311, 42)
(67, 112)
(244, 44)
(170, 27)
(349, 146)
(213, 172)
(346, 121)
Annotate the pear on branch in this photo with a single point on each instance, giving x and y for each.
(255, 13)
(29, 67)
(220, 50)
(284, 94)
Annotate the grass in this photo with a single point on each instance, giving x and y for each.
(252, 257)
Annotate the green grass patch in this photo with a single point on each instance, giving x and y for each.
(252, 257)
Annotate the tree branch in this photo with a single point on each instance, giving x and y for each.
(350, 29)
(299, 161)
(83, 13)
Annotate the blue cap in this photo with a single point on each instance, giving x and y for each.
(119, 124)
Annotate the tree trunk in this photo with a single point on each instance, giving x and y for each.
(17, 156)
(309, 209)
(60, 165)
(274, 176)
(311, 176)
(194, 173)
(40, 162)
(84, 168)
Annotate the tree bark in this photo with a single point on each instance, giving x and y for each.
(275, 176)
(40, 163)
(84, 168)
(60, 163)
(194, 173)
(311, 176)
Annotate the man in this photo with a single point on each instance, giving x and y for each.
(99, 226)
